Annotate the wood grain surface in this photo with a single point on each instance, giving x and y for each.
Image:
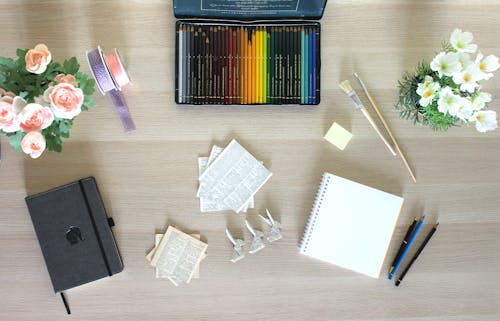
(148, 178)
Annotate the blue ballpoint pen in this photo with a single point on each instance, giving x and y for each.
(405, 251)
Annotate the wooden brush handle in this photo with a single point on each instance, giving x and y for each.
(370, 120)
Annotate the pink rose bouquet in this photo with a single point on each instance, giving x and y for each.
(39, 99)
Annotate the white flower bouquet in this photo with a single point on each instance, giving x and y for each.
(447, 92)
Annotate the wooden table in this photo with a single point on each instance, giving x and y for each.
(148, 179)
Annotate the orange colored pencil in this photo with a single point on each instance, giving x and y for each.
(243, 61)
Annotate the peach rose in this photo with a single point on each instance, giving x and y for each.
(33, 144)
(6, 96)
(8, 118)
(35, 117)
(68, 79)
(37, 59)
(66, 100)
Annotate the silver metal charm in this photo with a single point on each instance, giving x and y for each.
(274, 233)
(238, 244)
(257, 242)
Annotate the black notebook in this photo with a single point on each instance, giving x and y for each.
(74, 234)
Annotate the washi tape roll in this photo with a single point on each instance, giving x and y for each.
(111, 77)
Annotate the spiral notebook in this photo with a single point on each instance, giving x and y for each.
(351, 225)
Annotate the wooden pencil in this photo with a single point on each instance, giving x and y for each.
(268, 68)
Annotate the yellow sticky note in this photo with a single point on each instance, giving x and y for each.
(338, 136)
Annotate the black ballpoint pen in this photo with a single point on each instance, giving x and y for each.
(404, 243)
(424, 243)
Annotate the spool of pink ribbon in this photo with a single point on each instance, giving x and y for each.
(111, 77)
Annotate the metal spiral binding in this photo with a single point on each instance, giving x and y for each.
(318, 200)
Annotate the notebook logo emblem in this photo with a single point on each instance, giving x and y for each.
(74, 235)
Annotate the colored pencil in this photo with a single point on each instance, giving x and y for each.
(314, 55)
(268, 62)
(412, 238)
(415, 256)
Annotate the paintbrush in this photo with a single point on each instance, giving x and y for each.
(347, 88)
(379, 114)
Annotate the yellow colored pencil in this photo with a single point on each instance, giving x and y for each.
(248, 70)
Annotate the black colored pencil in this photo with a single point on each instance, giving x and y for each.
(216, 71)
(280, 65)
(189, 70)
(414, 258)
(205, 68)
(209, 68)
(290, 64)
(411, 227)
(268, 65)
(195, 65)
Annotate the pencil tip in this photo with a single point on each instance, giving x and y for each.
(397, 282)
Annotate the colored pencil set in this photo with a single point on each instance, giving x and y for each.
(247, 63)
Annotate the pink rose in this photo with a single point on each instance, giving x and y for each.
(8, 120)
(66, 100)
(35, 117)
(37, 59)
(68, 79)
(33, 144)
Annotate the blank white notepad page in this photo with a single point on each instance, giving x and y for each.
(351, 225)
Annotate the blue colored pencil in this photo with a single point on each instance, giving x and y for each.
(310, 67)
(313, 67)
(302, 66)
(306, 73)
(405, 251)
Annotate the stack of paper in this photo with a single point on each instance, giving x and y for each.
(177, 255)
(229, 178)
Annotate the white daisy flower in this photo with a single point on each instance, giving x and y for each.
(487, 65)
(462, 109)
(467, 79)
(480, 100)
(427, 91)
(464, 59)
(485, 120)
(461, 41)
(446, 64)
(447, 100)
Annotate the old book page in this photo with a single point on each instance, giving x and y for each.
(233, 178)
(178, 255)
(207, 205)
(158, 237)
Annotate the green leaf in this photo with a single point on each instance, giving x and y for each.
(23, 94)
(65, 126)
(21, 53)
(15, 140)
(7, 63)
(85, 84)
(71, 66)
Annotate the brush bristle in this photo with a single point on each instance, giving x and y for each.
(346, 86)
